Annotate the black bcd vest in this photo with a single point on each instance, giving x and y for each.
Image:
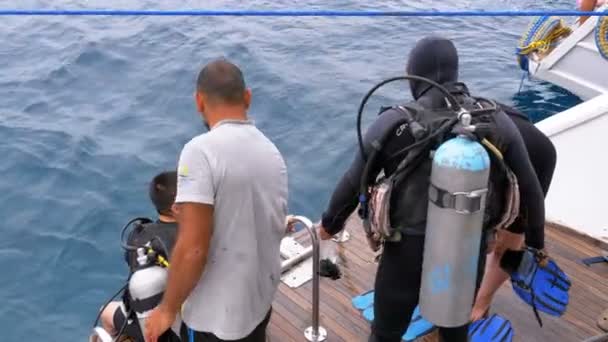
(151, 232)
(409, 199)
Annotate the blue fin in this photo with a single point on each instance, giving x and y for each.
(492, 329)
(546, 288)
(364, 300)
(368, 314)
(418, 325)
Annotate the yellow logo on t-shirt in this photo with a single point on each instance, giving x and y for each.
(183, 171)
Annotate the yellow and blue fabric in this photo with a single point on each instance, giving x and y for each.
(601, 35)
(541, 34)
(418, 325)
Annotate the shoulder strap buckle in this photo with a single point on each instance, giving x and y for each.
(415, 128)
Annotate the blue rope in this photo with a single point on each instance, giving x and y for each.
(293, 13)
(521, 83)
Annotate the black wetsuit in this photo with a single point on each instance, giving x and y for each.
(399, 272)
(542, 154)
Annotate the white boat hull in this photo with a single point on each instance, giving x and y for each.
(578, 196)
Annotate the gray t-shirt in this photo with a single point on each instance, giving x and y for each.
(242, 174)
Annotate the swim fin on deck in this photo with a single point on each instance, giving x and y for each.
(364, 300)
(418, 325)
(492, 329)
(538, 281)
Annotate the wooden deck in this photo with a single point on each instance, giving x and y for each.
(589, 295)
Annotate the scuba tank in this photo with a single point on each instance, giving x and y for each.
(457, 195)
(146, 288)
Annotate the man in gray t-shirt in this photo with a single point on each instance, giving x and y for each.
(232, 197)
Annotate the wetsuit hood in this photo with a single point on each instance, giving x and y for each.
(435, 58)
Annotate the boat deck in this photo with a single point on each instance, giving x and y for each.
(589, 295)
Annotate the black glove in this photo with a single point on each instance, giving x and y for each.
(329, 269)
(511, 260)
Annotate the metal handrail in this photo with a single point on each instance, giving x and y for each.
(289, 263)
(314, 333)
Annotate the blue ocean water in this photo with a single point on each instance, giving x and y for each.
(92, 107)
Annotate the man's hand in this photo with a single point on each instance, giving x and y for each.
(290, 223)
(160, 320)
(323, 234)
(507, 240)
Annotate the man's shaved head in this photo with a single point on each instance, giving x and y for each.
(222, 82)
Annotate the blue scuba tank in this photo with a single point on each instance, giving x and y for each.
(457, 193)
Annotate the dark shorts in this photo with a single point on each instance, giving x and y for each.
(257, 335)
(132, 332)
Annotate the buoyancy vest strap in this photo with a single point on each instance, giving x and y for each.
(465, 202)
(511, 206)
(146, 304)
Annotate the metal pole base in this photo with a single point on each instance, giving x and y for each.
(309, 334)
(342, 237)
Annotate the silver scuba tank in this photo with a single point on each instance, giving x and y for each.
(146, 288)
(457, 193)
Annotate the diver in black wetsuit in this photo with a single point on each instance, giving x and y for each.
(540, 149)
(543, 156)
(399, 272)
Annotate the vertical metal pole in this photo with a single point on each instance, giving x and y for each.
(314, 333)
(316, 260)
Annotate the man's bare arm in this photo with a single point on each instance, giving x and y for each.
(587, 6)
(189, 254)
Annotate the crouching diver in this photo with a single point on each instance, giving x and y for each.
(400, 143)
(543, 156)
(147, 252)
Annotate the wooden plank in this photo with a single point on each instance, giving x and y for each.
(277, 334)
(292, 324)
(556, 227)
(589, 295)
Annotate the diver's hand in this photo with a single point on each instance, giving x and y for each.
(290, 223)
(160, 320)
(507, 240)
(323, 234)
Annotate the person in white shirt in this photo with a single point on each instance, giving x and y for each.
(232, 197)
